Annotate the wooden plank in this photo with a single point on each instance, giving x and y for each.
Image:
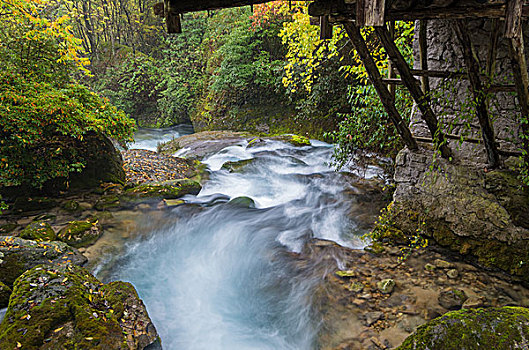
(360, 13)
(423, 56)
(513, 19)
(374, 75)
(417, 94)
(183, 6)
(476, 86)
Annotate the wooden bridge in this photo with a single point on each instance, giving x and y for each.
(381, 14)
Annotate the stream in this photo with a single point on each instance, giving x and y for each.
(221, 274)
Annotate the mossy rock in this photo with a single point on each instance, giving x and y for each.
(167, 190)
(66, 307)
(23, 204)
(107, 202)
(5, 293)
(245, 202)
(294, 140)
(18, 255)
(469, 329)
(39, 231)
(71, 206)
(237, 166)
(80, 233)
(8, 228)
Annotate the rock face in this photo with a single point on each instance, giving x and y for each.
(494, 328)
(480, 214)
(18, 255)
(66, 307)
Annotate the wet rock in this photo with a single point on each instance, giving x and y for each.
(372, 317)
(80, 233)
(375, 248)
(386, 286)
(107, 202)
(8, 228)
(452, 299)
(24, 204)
(245, 202)
(237, 166)
(453, 273)
(355, 287)
(168, 190)
(442, 264)
(5, 293)
(494, 328)
(346, 273)
(38, 231)
(173, 202)
(66, 307)
(71, 206)
(429, 267)
(19, 255)
(294, 140)
(474, 302)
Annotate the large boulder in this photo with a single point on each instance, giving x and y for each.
(65, 307)
(480, 214)
(38, 231)
(18, 255)
(80, 233)
(468, 329)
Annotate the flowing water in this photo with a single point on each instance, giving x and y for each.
(216, 274)
(150, 138)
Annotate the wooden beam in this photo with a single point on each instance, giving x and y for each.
(374, 13)
(417, 94)
(374, 75)
(476, 86)
(391, 72)
(182, 6)
(513, 31)
(423, 56)
(493, 48)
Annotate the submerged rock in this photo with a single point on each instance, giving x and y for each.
(237, 166)
(245, 202)
(39, 231)
(19, 255)
(80, 233)
(107, 202)
(66, 307)
(452, 299)
(494, 328)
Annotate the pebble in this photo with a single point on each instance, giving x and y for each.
(429, 267)
(442, 264)
(372, 317)
(473, 302)
(386, 286)
(453, 273)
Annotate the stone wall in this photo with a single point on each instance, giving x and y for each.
(479, 213)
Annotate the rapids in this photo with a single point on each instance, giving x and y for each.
(216, 274)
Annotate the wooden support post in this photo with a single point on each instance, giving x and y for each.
(472, 63)
(172, 18)
(423, 55)
(391, 72)
(493, 48)
(374, 75)
(418, 96)
(325, 28)
(513, 32)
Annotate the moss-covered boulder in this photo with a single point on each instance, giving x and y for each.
(66, 307)
(5, 293)
(71, 206)
(39, 231)
(294, 140)
(80, 233)
(107, 202)
(244, 202)
(237, 166)
(18, 255)
(168, 190)
(493, 328)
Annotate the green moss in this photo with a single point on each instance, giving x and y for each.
(493, 328)
(107, 202)
(237, 166)
(245, 202)
(80, 233)
(71, 206)
(168, 190)
(5, 292)
(39, 231)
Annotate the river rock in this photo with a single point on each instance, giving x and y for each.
(386, 286)
(65, 307)
(39, 231)
(71, 206)
(245, 202)
(20, 255)
(107, 202)
(474, 302)
(167, 190)
(80, 233)
(494, 328)
(443, 264)
(452, 299)
(453, 273)
(237, 166)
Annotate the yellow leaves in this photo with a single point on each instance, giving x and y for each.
(58, 330)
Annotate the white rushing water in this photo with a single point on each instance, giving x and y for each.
(221, 275)
(149, 139)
